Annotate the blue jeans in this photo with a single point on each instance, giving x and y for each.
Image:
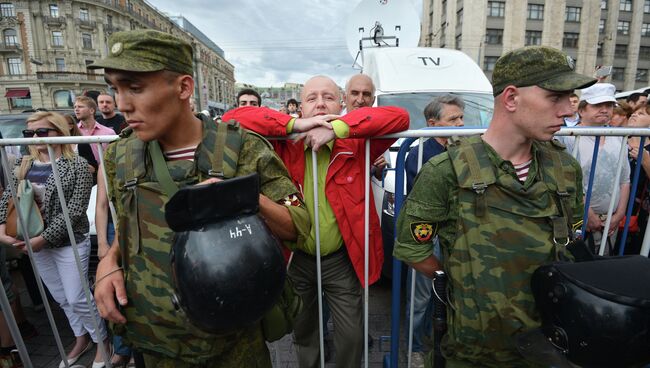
(422, 304)
(118, 346)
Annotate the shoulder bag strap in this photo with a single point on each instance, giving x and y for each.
(160, 169)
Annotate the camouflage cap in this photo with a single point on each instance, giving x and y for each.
(147, 51)
(540, 66)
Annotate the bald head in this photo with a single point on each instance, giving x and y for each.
(319, 96)
(359, 92)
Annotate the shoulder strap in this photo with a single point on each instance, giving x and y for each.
(473, 168)
(220, 154)
(160, 169)
(130, 160)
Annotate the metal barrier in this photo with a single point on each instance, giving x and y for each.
(390, 360)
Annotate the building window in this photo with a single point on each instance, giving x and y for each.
(626, 5)
(7, 10)
(641, 75)
(14, 66)
(646, 7)
(623, 27)
(54, 11)
(60, 64)
(573, 14)
(459, 18)
(57, 38)
(62, 98)
(496, 9)
(644, 52)
(570, 40)
(109, 20)
(10, 37)
(618, 73)
(535, 11)
(493, 36)
(599, 49)
(459, 41)
(601, 26)
(645, 30)
(84, 15)
(489, 63)
(620, 51)
(87, 40)
(533, 38)
(21, 102)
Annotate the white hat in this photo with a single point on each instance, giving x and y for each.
(598, 93)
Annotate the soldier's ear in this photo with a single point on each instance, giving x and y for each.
(509, 98)
(185, 86)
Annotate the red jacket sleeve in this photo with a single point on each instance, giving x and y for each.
(262, 120)
(376, 121)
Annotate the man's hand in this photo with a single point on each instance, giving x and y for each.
(110, 285)
(317, 137)
(305, 124)
(594, 223)
(616, 219)
(379, 165)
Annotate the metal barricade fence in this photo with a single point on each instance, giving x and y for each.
(392, 359)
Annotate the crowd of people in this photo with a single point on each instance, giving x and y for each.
(484, 209)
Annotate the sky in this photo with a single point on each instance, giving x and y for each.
(272, 42)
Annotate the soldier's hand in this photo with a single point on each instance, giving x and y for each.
(109, 285)
(306, 124)
(317, 137)
(209, 181)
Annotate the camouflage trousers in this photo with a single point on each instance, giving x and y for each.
(251, 352)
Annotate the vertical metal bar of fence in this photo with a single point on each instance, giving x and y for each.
(39, 283)
(397, 264)
(75, 250)
(319, 274)
(630, 202)
(616, 184)
(413, 273)
(594, 158)
(366, 255)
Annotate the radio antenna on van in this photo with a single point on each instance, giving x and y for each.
(381, 23)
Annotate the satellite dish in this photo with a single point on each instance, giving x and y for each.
(381, 23)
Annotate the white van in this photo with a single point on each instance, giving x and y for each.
(410, 78)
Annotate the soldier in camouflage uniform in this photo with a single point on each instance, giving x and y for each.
(502, 204)
(151, 74)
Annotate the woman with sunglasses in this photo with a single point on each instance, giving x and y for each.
(53, 252)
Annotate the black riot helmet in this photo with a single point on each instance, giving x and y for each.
(596, 313)
(228, 269)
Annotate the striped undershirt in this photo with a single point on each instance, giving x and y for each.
(186, 153)
(522, 170)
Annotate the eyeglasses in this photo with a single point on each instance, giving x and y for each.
(40, 132)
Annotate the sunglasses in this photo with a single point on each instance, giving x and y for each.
(40, 132)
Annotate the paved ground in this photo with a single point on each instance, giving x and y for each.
(44, 353)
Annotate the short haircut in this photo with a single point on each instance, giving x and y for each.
(646, 108)
(573, 95)
(292, 101)
(106, 94)
(249, 91)
(434, 108)
(89, 102)
(582, 104)
(634, 97)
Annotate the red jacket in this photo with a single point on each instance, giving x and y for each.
(344, 186)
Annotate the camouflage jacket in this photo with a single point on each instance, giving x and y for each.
(491, 245)
(153, 325)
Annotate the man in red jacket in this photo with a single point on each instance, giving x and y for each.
(341, 167)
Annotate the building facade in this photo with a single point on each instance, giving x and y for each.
(275, 97)
(594, 32)
(46, 46)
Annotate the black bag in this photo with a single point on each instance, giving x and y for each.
(596, 313)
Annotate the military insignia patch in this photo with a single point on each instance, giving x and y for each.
(422, 231)
(116, 49)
